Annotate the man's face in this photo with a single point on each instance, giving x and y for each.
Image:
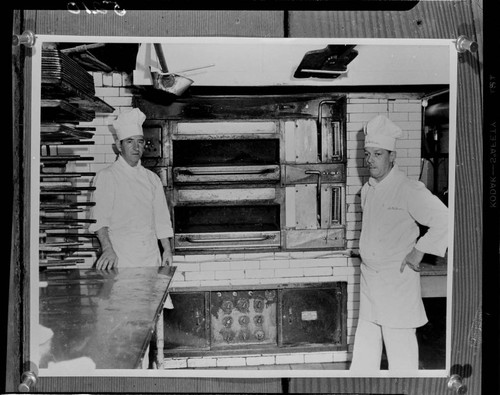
(379, 161)
(132, 149)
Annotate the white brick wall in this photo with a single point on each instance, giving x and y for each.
(289, 358)
(261, 360)
(318, 357)
(231, 361)
(257, 268)
(201, 362)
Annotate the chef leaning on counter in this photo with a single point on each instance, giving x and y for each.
(391, 249)
(130, 209)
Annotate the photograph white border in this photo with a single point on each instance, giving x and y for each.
(221, 373)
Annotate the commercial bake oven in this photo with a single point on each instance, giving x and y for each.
(246, 172)
(225, 177)
(212, 321)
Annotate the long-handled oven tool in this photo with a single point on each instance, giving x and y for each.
(168, 81)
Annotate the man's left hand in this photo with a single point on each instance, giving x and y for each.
(413, 260)
(167, 259)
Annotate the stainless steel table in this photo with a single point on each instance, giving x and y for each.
(107, 316)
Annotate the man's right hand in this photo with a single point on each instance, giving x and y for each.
(108, 260)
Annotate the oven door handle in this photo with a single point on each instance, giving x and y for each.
(224, 172)
(240, 239)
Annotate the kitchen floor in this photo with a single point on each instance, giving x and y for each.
(431, 338)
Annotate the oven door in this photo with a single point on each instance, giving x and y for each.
(217, 219)
(243, 159)
(315, 206)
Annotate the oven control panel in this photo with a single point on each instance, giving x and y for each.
(243, 317)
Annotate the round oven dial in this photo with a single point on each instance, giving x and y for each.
(258, 319)
(259, 335)
(227, 306)
(258, 305)
(244, 320)
(227, 322)
(242, 305)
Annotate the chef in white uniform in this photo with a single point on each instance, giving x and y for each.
(131, 211)
(393, 205)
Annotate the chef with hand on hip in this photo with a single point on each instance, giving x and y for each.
(130, 209)
(393, 205)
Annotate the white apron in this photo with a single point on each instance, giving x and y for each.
(391, 298)
(134, 253)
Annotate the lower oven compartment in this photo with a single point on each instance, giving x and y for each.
(282, 318)
(218, 219)
(226, 227)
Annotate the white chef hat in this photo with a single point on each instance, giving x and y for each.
(129, 124)
(381, 132)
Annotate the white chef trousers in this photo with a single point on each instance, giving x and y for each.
(401, 347)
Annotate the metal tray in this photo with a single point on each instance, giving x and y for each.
(56, 131)
(64, 111)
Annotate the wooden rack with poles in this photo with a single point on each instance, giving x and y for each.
(68, 98)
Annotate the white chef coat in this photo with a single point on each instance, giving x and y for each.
(130, 201)
(391, 210)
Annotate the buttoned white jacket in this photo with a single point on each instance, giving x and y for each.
(392, 210)
(131, 202)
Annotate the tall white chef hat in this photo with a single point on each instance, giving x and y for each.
(129, 124)
(381, 132)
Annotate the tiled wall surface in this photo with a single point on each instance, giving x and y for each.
(280, 267)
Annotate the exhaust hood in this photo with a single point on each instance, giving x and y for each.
(275, 62)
